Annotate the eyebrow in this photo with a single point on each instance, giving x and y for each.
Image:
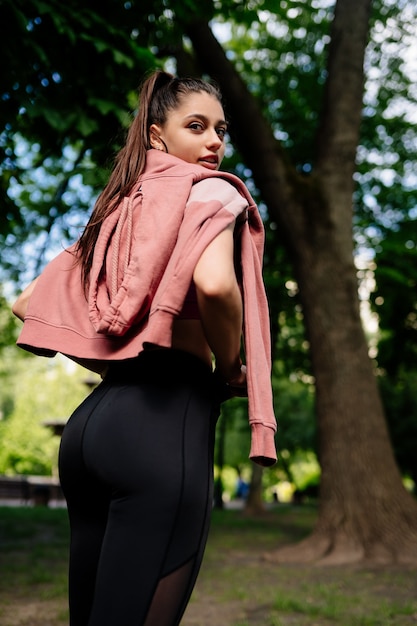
(205, 119)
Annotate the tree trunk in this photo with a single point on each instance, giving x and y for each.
(364, 511)
(365, 514)
(254, 503)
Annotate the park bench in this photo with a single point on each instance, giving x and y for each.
(39, 490)
(15, 488)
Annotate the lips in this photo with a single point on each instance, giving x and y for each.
(210, 161)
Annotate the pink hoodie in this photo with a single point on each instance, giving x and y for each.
(143, 264)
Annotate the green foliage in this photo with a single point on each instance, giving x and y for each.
(395, 297)
(294, 408)
(395, 301)
(296, 439)
(234, 414)
(386, 190)
(40, 390)
(8, 324)
(85, 65)
(82, 65)
(400, 402)
(279, 49)
(27, 447)
(9, 328)
(68, 72)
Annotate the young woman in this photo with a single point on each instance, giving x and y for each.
(150, 296)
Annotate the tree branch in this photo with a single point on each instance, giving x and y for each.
(249, 130)
(338, 133)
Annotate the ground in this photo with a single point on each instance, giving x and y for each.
(236, 586)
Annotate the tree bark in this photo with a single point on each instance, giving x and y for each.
(365, 514)
(254, 504)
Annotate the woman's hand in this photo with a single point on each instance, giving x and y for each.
(233, 388)
(238, 386)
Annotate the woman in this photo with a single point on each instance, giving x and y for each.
(149, 296)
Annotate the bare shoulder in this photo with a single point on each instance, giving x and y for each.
(217, 188)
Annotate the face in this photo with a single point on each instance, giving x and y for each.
(194, 132)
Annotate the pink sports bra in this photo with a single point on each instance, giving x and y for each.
(190, 309)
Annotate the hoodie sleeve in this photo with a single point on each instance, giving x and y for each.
(257, 343)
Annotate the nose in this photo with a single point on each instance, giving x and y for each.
(214, 141)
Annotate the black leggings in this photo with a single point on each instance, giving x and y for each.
(136, 468)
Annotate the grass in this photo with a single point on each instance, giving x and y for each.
(236, 587)
(33, 566)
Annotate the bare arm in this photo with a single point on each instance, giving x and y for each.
(19, 308)
(220, 304)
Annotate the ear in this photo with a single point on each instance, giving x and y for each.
(154, 138)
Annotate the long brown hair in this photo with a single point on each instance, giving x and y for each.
(159, 94)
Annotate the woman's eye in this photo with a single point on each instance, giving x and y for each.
(221, 132)
(196, 126)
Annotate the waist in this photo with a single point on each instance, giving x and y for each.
(188, 336)
(160, 364)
